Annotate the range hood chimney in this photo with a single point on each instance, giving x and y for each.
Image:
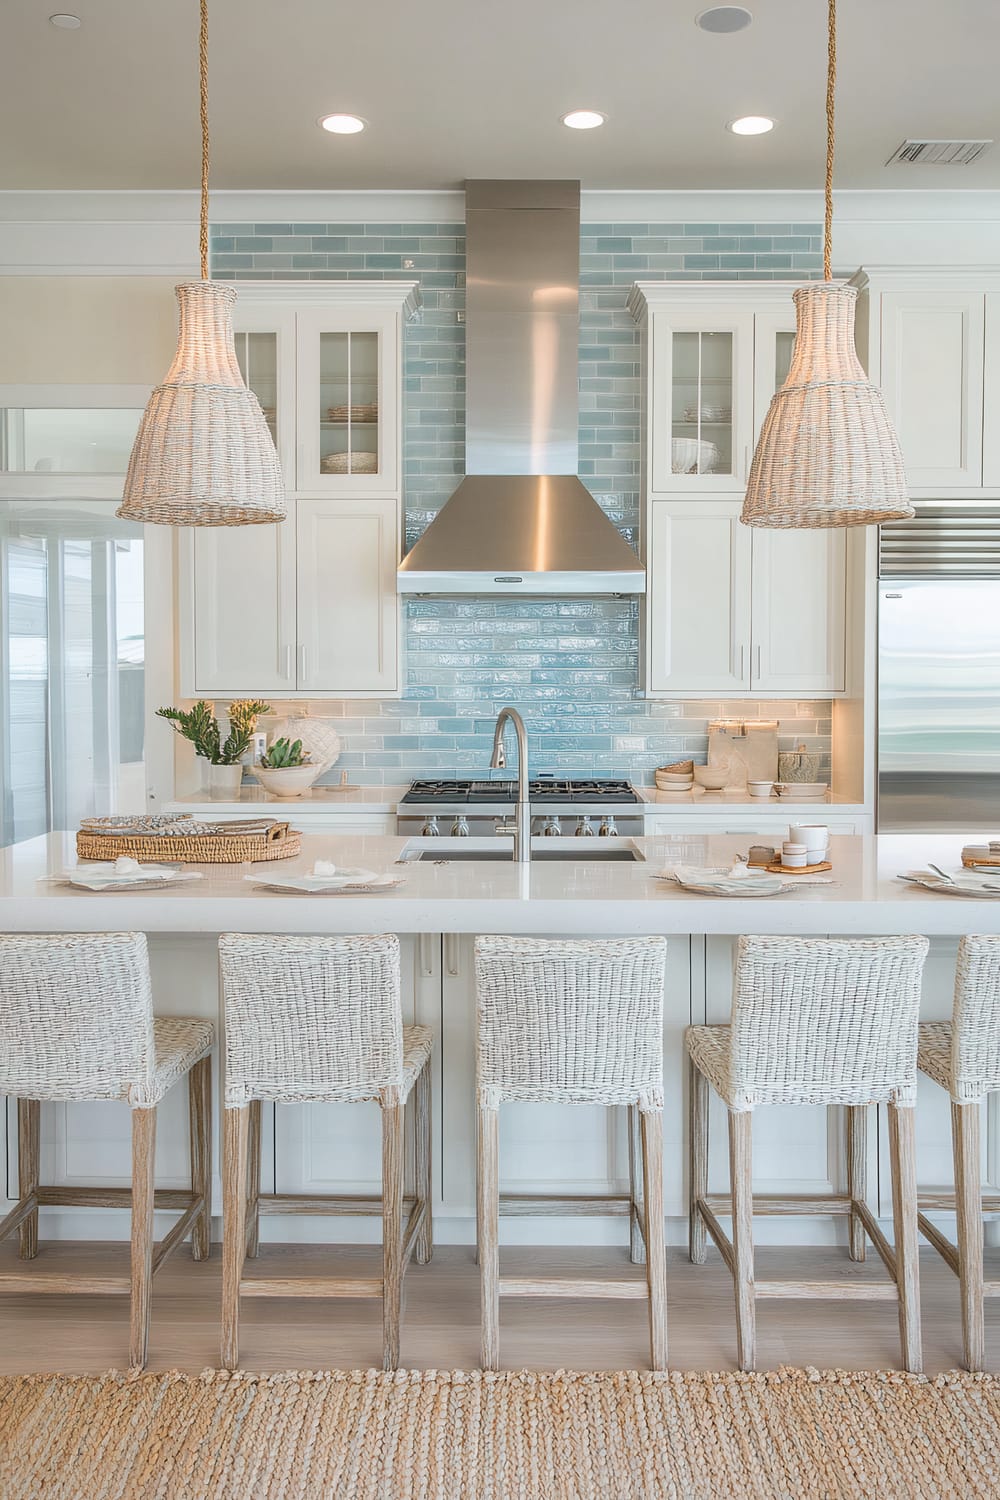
(521, 522)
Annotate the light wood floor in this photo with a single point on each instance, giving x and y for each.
(440, 1329)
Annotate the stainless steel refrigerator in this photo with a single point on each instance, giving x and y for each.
(939, 671)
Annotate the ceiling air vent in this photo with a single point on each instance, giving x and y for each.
(939, 153)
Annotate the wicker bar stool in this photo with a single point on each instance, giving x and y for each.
(309, 1020)
(963, 1056)
(814, 1021)
(77, 1023)
(571, 1023)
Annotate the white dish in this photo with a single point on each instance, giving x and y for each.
(308, 885)
(103, 877)
(790, 790)
(978, 887)
(722, 883)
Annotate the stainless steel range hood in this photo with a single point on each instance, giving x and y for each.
(521, 522)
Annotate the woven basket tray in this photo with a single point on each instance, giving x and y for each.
(276, 842)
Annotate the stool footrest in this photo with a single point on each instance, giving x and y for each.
(514, 1286)
(876, 1291)
(63, 1281)
(363, 1204)
(311, 1286)
(590, 1205)
(783, 1204)
(944, 1202)
(169, 1199)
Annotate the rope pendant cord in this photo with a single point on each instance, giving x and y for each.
(831, 91)
(203, 102)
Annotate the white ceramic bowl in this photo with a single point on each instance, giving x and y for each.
(711, 778)
(691, 455)
(287, 781)
(760, 788)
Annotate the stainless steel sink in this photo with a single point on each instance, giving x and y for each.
(600, 855)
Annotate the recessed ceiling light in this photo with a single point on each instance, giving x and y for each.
(342, 124)
(751, 125)
(584, 119)
(66, 22)
(724, 18)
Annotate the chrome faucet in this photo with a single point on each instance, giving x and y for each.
(521, 826)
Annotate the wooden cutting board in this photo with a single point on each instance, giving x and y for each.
(976, 856)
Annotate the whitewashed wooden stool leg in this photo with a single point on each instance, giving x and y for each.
(200, 1117)
(235, 1150)
(28, 1128)
(253, 1183)
(969, 1216)
(741, 1176)
(637, 1247)
(393, 1169)
(903, 1162)
(857, 1174)
(143, 1181)
(424, 1153)
(698, 1163)
(651, 1127)
(488, 1217)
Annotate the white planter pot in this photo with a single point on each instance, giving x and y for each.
(288, 781)
(224, 782)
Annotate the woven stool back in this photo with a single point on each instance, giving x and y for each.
(825, 1021)
(76, 1016)
(570, 1022)
(311, 1018)
(975, 1032)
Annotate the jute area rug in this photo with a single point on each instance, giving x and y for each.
(430, 1435)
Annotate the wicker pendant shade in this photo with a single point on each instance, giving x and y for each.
(827, 453)
(203, 455)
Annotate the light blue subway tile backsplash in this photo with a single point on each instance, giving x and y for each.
(571, 666)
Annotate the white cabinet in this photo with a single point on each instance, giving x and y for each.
(798, 611)
(931, 340)
(698, 601)
(932, 360)
(309, 607)
(305, 607)
(734, 610)
(347, 611)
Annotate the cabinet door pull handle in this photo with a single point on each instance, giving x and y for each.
(303, 674)
(288, 663)
(451, 963)
(742, 661)
(426, 954)
(755, 670)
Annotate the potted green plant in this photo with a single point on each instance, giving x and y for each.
(200, 725)
(287, 770)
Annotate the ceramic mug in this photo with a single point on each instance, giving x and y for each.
(815, 836)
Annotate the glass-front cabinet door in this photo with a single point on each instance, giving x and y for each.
(702, 383)
(347, 399)
(264, 335)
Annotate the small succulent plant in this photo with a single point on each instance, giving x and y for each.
(284, 754)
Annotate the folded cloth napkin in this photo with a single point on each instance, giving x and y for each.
(323, 867)
(125, 865)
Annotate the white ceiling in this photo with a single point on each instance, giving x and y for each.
(475, 88)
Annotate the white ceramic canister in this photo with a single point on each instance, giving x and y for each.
(794, 856)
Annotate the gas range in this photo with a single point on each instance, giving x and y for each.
(559, 806)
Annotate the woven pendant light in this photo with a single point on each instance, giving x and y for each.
(827, 454)
(203, 455)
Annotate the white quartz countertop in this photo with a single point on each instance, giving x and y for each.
(581, 897)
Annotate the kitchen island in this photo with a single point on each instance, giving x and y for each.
(437, 912)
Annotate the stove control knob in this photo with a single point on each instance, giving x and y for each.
(552, 828)
(607, 828)
(584, 830)
(430, 829)
(460, 827)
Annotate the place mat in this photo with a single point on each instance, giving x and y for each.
(152, 877)
(976, 887)
(311, 885)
